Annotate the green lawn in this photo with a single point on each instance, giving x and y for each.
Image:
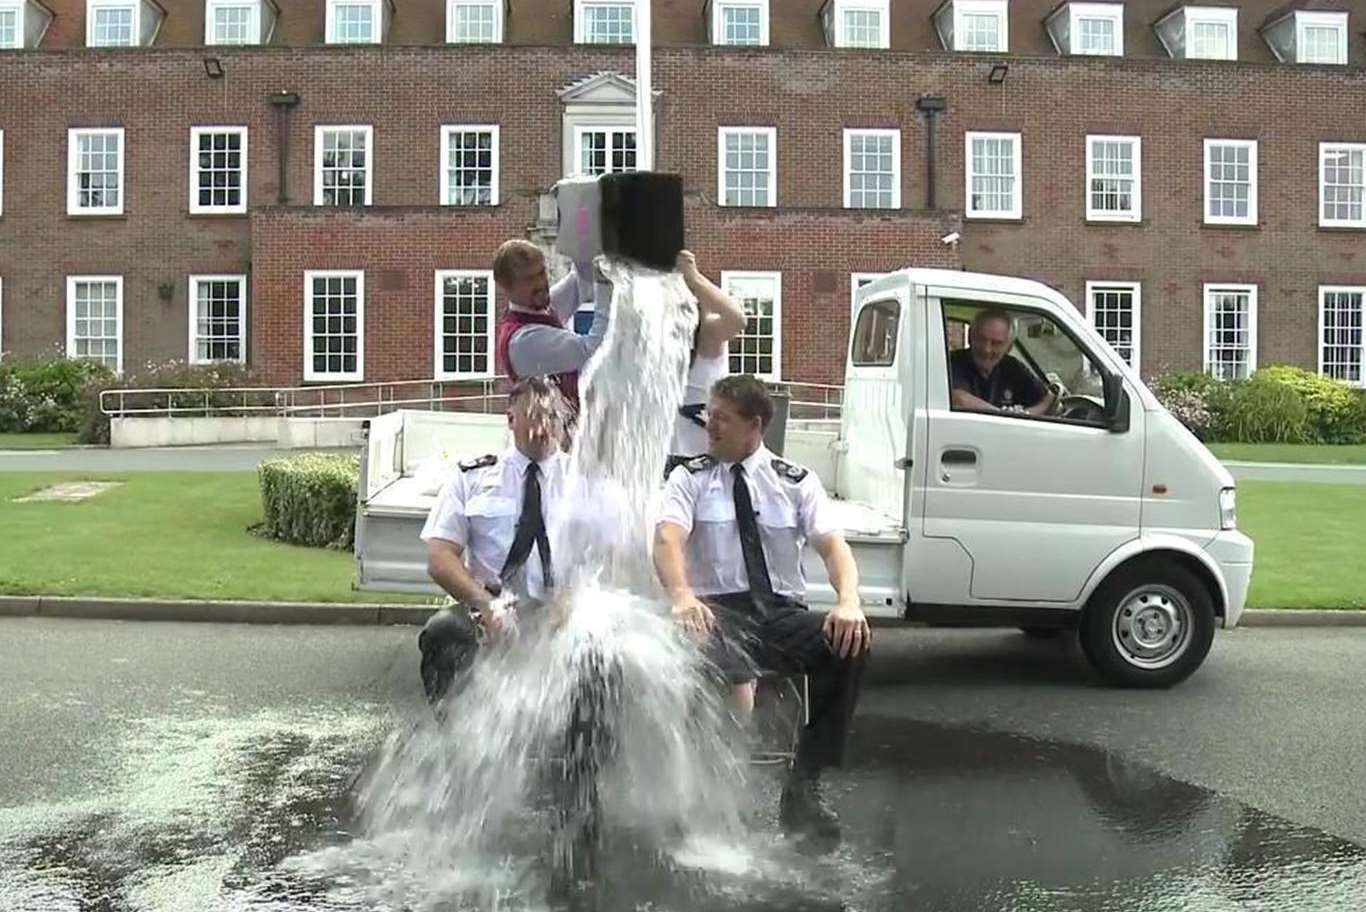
(1311, 546)
(1290, 452)
(36, 441)
(167, 535)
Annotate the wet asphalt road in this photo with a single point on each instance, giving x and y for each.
(167, 766)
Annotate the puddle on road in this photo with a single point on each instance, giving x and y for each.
(234, 816)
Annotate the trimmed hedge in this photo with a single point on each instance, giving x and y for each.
(44, 395)
(310, 499)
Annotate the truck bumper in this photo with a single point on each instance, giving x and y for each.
(1232, 551)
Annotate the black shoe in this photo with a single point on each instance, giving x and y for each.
(803, 813)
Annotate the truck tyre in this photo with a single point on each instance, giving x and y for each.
(1149, 625)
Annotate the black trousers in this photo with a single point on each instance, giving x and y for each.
(786, 638)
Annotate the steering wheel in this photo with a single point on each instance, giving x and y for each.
(1079, 408)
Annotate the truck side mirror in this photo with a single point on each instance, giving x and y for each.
(1116, 404)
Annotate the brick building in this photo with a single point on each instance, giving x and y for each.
(317, 187)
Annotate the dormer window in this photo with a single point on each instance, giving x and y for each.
(604, 22)
(857, 23)
(1088, 29)
(738, 23)
(357, 21)
(22, 24)
(242, 22)
(1305, 36)
(121, 23)
(475, 21)
(1200, 33)
(974, 25)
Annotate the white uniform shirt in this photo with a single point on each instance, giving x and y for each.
(791, 511)
(478, 510)
(689, 438)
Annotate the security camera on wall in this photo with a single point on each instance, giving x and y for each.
(951, 238)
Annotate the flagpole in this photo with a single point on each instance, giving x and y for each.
(645, 136)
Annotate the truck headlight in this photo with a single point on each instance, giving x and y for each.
(1228, 508)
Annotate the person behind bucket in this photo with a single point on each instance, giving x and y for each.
(728, 552)
(535, 336)
(487, 535)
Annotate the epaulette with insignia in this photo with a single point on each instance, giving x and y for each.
(788, 471)
(699, 463)
(483, 462)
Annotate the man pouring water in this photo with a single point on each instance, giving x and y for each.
(728, 552)
(487, 541)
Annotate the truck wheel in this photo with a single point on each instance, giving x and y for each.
(1149, 625)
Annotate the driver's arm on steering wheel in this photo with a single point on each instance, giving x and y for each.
(1049, 401)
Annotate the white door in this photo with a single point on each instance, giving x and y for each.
(1033, 503)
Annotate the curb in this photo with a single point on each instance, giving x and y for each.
(118, 609)
(374, 614)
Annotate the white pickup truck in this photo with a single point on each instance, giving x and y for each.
(1104, 515)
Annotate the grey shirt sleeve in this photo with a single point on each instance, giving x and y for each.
(539, 350)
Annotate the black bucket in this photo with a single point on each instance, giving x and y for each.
(642, 217)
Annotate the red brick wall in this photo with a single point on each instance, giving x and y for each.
(407, 93)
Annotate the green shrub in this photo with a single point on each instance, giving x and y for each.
(1197, 400)
(1263, 410)
(1332, 403)
(310, 499)
(44, 395)
(194, 378)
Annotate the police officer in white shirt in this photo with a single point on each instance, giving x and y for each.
(719, 319)
(728, 551)
(487, 534)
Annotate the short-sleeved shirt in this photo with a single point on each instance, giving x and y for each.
(478, 510)
(792, 507)
(1010, 383)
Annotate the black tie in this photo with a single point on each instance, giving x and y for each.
(751, 545)
(530, 530)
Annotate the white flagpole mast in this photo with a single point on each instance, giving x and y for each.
(645, 136)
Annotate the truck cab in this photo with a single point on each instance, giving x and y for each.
(1100, 512)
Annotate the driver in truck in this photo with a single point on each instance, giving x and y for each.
(986, 378)
(481, 535)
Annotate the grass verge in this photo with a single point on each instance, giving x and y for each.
(1309, 544)
(36, 441)
(1317, 454)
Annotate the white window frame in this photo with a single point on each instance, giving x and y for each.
(498, 20)
(840, 33)
(310, 375)
(1135, 214)
(855, 278)
(73, 158)
(895, 135)
(134, 5)
(1017, 210)
(962, 8)
(71, 282)
(1324, 291)
(1076, 12)
(1252, 191)
(1210, 289)
(1307, 19)
(1135, 289)
(1211, 15)
(581, 128)
(445, 176)
(718, 20)
(19, 8)
(1324, 147)
(196, 208)
(727, 276)
(437, 335)
(193, 312)
(772, 134)
(376, 19)
(254, 26)
(318, 133)
(581, 19)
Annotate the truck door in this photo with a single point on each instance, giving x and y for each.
(1036, 496)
